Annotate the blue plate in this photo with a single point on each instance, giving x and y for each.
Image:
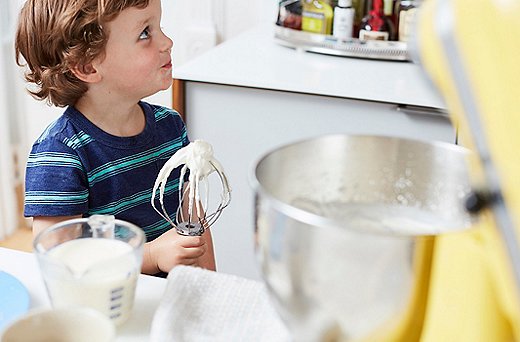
(14, 299)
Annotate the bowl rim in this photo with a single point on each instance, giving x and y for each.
(322, 222)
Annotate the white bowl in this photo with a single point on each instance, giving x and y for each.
(74, 324)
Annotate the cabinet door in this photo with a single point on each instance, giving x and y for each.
(243, 124)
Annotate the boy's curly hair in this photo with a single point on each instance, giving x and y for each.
(54, 36)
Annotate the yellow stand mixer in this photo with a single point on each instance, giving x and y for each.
(471, 51)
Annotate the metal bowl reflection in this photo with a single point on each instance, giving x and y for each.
(341, 222)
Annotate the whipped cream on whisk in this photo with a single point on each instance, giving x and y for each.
(198, 158)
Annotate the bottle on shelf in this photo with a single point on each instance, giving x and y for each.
(359, 12)
(343, 20)
(389, 7)
(317, 16)
(290, 14)
(375, 25)
(406, 11)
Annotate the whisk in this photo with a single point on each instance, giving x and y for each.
(198, 158)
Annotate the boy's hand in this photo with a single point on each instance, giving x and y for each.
(171, 249)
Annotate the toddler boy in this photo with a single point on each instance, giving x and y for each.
(99, 59)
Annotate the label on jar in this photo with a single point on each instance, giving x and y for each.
(343, 22)
(313, 22)
(373, 35)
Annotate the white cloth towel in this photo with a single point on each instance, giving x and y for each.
(201, 305)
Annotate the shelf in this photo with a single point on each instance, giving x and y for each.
(330, 45)
(255, 59)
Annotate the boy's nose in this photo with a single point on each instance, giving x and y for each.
(167, 43)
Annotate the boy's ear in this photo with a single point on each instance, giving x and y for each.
(87, 73)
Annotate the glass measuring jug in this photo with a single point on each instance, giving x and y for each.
(92, 262)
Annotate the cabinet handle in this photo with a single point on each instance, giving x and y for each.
(419, 110)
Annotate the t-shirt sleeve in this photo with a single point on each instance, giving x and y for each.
(181, 127)
(55, 181)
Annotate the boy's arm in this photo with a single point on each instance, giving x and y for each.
(207, 261)
(42, 222)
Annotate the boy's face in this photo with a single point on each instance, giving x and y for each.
(137, 61)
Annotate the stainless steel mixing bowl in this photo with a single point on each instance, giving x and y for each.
(338, 219)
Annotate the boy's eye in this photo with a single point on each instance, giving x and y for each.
(145, 34)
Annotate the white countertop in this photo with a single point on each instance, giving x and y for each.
(254, 59)
(148, 294)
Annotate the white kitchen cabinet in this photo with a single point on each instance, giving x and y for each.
(250, 95)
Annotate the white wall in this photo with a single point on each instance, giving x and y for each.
(196, 26)
(8, 209)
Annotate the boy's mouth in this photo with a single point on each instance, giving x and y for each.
(167, 65)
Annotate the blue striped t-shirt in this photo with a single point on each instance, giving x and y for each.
(75, 168)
